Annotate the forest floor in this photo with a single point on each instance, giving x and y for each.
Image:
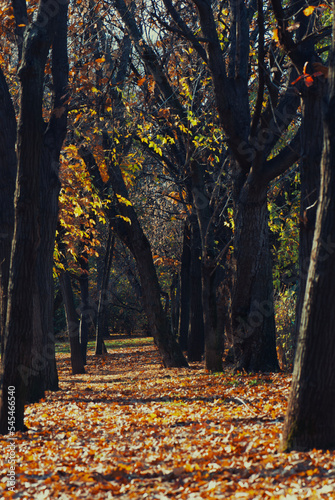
(132, 429)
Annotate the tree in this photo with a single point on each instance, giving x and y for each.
(25, 318)
(305, 54)
(7, 187)
(253, 124)
(107, 104)
(181, 123)
(126, 224)
(101, 327)
(72, 320)
(251, 142)
(310, 418)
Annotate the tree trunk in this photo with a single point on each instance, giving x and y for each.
(185, 288)
(206, 218)
(23, 295)
(174, 302)
(43, 352)
(7, 188)
(72, 322)
(100, 347)
(312, 142)
(213, 334)
(134, 238)
(158, 323)
(310, 419)
(252, 302)
(52, 144)
(196, 333)
(85, 311)
(139, 245)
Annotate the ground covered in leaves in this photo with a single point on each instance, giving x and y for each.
(132, 429)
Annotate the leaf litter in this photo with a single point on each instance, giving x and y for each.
(131, 429)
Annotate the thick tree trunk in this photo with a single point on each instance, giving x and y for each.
(45, 280)
(52, 144)
(23, 295)
(252, 302)
(185, 288)
(7, 188)
(312, 142)
(44, 343)
(196, 332)
(310, 419)
(43, 351)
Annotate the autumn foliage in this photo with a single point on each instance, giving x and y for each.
(132, 429)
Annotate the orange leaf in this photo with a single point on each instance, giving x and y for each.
(275, 35)
(297, 79)
(309, 80)
(141, 81)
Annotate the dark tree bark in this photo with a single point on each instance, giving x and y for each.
(310, 419)
(196, 333)
(252, 301)
(185, 288)
(7, 188)
(213, 337)
(311, 147)
(53, 138)
(23, 295)
(174, 303)
(72, 321)
(101, 328)
(85, 311)
(43, 352)
(139, 246)
(312, 141)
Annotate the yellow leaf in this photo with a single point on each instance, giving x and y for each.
(123, 200)
(126, 219)
(78, 211)
(309, 10)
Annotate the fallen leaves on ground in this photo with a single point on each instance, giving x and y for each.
(132, 429)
